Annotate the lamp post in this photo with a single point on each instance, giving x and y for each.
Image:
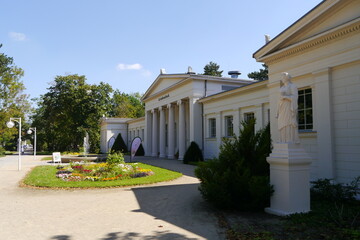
(30, 132)
(11, 124)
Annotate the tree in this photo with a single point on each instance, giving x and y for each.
(127, 105)
(260, 75)
(68, 110)
(212, 69)
(13, 102)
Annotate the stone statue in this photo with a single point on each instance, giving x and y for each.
(287, 111)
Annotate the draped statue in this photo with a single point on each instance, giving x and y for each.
(287, 111)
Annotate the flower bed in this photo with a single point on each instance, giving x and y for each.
(80, 171)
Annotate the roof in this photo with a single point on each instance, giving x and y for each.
(178, 79)
(231, 92)
(314, 24)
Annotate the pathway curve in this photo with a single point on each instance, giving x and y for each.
(169, 210)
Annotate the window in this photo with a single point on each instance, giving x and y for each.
(212, 127)
(248, 116)
(229, 127)
(305, 113)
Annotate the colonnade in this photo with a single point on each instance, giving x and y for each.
(166, 130)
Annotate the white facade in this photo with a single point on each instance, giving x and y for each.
(322, 53)
(110, 129)
(231, 108)
(136, 128)
(173, 114)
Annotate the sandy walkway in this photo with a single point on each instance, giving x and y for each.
(172, 210)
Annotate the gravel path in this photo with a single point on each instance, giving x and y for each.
(169, 210)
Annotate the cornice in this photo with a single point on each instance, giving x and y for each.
(315, 41)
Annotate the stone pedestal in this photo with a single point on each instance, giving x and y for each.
(290, 176)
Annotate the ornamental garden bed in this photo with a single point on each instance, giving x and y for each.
(99, 175)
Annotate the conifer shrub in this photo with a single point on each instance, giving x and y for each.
(239, 177)
(193, 154)
(140, 151)
(119, 145)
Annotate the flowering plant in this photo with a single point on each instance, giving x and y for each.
(101, 172)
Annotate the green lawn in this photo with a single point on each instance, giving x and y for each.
(45, 176)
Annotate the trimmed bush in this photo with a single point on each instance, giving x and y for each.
(193, 154)
(140, 151)
(119, 145)
(239, 177)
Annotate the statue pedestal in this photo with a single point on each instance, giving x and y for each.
(289, 174)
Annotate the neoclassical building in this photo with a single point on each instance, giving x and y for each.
(322, 53)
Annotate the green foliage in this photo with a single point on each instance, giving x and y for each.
(2, 151)
(127, 105)
(212, 69)
(193, 154)
(13, 102)
(260, 75)
(115, 158)
(119, 145)
(69, 109)
(326, 190)
(239, 177)
(45, 176)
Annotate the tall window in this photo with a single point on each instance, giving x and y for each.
(229, 127)
(305, 112)
(248, 116)
(212, 127)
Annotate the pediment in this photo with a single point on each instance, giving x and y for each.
(162, 82)
(326, 16)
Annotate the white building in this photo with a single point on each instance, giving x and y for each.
(322, 53)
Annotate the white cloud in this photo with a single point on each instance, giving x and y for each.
(122, 66)
(17, 36)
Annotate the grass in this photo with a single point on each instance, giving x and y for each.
(45, 177)
(327, 220)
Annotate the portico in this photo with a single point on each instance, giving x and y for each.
(173, 116)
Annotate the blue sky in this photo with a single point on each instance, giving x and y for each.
(126, 42)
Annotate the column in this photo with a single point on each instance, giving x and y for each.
(195, 123)
(171, 129)
(154, 133)
(162, 133)
(148, 134)
(181, 129)
(323, 118)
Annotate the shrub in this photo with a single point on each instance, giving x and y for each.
(193, 154)
(239, 177)
(115, 158)
(140, 151)
(119, 145)
(2, 151)
(325, 189)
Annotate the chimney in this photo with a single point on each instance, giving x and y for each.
(234, 74)
(190, 70)
(162, 71)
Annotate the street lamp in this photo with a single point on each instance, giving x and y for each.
(11, 124)
(30, 132)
